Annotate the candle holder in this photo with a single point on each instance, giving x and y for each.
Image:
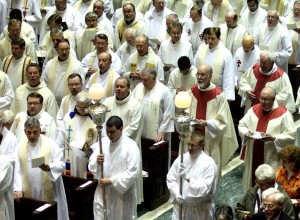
(182, 122)
(98, 112)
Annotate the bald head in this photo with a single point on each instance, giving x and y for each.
(248, 43)
(204, 74)
(267, 98)
(231, 19)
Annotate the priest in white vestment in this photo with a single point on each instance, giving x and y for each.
(34, 110)
(26, 29)
(103, 22)
(83, 7)
(181, 8)
(264, 130)
(266, 73)
(45, 181)
(253, 16)
(199, 180)
(76, 135)
(14, 33)
(121, 165)
(59, 68)
(106, 76)
(171, 50)
(7, 211)
(246, 56)
(232, 33)
(155, 18)
(183, 77)
(194, 27)
(274, 37)
(129, 109)
(69, 101)
(15, 65)
(34, 84)
(66, 11)
(216, 10)
(6, 91)
(130, 20)
(144, 57)
(213, 118)
(128, 47)
(220, 59)
(90, 60)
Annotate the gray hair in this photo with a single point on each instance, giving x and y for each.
(7, 116)
(130, 31)
(268, 54)
(91, 14)
(279, 196)
(264, 172)
(150, 71)
(32, 122)
(83, 97)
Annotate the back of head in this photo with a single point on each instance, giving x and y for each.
(184, 63)
(114, 121)
(265, 172)
(15, 14)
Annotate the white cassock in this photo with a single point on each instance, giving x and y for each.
(295, 57)
(3, 14)
(181, 8)
(220, 137)
(69, 15)
(91, 60)
(217, 16)
(279, 123)
(74, 133)
(121, 166)
(6, 91)
(169, 53)
(26, 31)
(277, 41)
(276, 78)
(178, 80)
(105, 26)
(221, 61)
(6, 189)
(31, 11)
(283, 7)
(195, 29)
(35, 175)
(59, 71)
(67, 105)
(48, 125)
(158, 106)
(155, 21)
(16, 69)
(137, 63)
(107, 80)
(232, 37)
(124, 51)
(131, 112)
(9, 145)
(82, 9)
(251, 20)
(198, 193)
(5, 48)
(49, 102)
(83, 44)
(243, 61)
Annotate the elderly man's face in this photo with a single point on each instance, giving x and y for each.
(130, 39)
(34, 106)
(141, 46)
(75, 86)
(272, 19)
(266, 100)
(91, 22)
(148, 80)
(159, 5)
(175, 34)
(129, 13)
(265, 184)
(98, 9)
(63, 50)
(216, 3)
(82, 107)
(265, 64)
(33, 134)
(104, 62)
(203, 76)
(230, 22)
(272, 209)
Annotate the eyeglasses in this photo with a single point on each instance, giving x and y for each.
(33, 103)
(192, 145)
(74, 84)
(64, 50)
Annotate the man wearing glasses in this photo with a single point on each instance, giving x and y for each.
(199, 178)
(75, 135)
(34, 110)
(252, 201)
(59, 68)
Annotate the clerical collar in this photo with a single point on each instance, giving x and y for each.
(211, 85)
(123, 101)
(129, 22)
(234, 27)
(272, 28)
(72, 114)
(35, 85)
(60, 60)
(104, 72)
(37, 116)
(145, 55)
(274, 68)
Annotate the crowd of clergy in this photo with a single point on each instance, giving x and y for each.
(238, 61)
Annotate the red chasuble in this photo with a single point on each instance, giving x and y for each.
(262, 80)
(202, 98)
(262, 125)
